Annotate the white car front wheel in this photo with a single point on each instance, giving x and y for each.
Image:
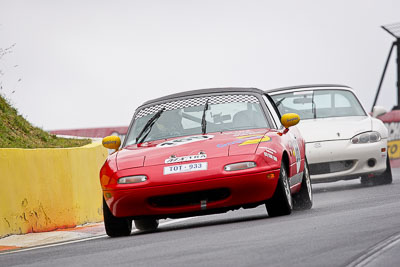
(380, 179)
(303, 200)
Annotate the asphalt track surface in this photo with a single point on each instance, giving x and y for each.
(349, 225)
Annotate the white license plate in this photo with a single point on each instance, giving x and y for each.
(191, 167)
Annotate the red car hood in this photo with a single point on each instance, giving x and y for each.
(198, 146)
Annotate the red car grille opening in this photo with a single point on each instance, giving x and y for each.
(188, 199)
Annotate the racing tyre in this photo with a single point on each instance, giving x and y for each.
(281, 202)
(303, 200)
(386, 176)
(380, 179)
(146, 224)
(115, 226)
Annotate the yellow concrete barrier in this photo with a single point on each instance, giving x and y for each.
(47, 189)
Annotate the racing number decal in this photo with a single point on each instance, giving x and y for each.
(185, 140)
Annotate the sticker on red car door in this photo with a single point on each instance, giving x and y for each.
(296, 151)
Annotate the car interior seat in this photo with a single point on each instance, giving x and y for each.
(247, 118)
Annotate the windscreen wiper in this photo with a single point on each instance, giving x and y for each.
(203, 119)
(148, 126)
(279, 101)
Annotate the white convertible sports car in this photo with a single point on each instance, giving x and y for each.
(342, 140)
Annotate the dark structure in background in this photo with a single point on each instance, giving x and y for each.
(394, 30)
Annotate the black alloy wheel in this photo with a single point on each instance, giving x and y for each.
(303, 200)
(281, 202)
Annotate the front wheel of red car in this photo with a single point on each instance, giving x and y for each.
(115, 226)
(146, 224)
(281, 202)
(303, 200)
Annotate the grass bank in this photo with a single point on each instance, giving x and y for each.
(17, 132)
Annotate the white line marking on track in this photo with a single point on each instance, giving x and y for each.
(84, 239)
(375, 251)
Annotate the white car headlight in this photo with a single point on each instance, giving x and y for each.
(240, 166)
(368, 137)
(132, 179)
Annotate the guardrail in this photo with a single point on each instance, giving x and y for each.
(48, 189)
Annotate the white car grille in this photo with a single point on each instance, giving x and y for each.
(331, 167)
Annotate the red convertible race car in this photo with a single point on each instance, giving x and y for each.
(203, 152)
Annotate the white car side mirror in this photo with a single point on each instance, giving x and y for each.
(378, 111)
